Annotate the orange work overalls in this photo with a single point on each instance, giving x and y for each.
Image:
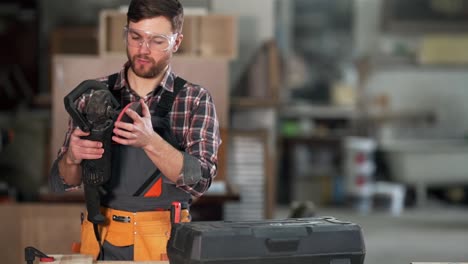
(148, 231)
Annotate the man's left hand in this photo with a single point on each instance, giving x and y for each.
(136, 134)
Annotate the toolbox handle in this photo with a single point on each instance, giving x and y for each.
(333, 220)
(282, 244)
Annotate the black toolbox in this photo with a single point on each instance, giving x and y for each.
(317, 240)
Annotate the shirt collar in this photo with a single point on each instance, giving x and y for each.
(168, 80)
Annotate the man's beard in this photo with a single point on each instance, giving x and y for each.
(155, 70)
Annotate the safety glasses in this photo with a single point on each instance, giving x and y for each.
(155, 42)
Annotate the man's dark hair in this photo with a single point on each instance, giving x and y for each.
(143, 9)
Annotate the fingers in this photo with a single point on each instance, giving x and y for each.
(89, 153)
(120, 140)
(77, 153)
(124, 133)
(137, 132)
(76, 138)
(80, 149)
(124, 126)
(90, 144)
(79, 133)
(133, 115)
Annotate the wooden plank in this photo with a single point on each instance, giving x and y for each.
(9, 240)
(207, 36)
(49, 228)
(444, 50)
(110, 38)
(70, 259)
(74, 40)
(86, 259)
(126, 262)
(218, 36)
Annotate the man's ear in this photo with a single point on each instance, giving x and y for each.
(178, 41)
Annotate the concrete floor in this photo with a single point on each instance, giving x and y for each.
(435, 233)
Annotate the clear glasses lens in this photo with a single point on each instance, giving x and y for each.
(156, 42)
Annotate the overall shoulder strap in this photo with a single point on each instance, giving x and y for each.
(162, 109)
(167, 99)
(111, 80)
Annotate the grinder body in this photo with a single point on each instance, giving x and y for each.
(97, 118)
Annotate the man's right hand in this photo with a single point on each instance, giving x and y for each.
(80, 149)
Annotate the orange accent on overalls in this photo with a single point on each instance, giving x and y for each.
(155, 190)
(148, 232)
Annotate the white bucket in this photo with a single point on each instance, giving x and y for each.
(359, 170)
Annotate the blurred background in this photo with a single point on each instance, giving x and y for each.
(351, 108)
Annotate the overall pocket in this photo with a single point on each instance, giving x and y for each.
(89, 244)
(151, 240)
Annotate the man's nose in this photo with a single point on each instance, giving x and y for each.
(144, 47)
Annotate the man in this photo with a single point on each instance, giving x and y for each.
(183, 158)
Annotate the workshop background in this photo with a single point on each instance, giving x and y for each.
(350, 108)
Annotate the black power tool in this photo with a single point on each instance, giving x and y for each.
(97, 118)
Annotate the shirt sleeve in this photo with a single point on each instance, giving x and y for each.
(56, 183)
(201, 147)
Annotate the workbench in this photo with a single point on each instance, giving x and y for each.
(86, 259)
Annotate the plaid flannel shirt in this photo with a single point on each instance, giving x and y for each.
(193, 122)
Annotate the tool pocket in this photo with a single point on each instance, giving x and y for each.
(185, 216)
(151, 239)
(89, 244)
(120, 234)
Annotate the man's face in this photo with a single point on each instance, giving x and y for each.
(147, 60)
